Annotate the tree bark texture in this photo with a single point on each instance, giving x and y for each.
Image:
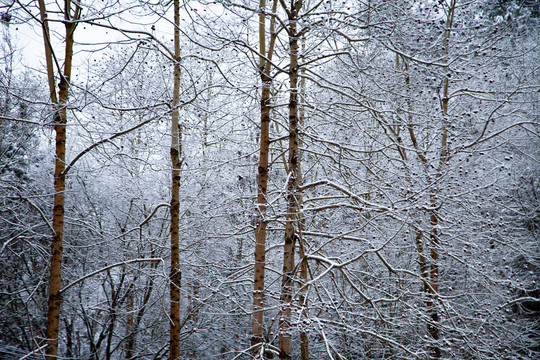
(176, 163)
(260, 230)
(292, 215)
(302, 295)
(55, 279)
(262, 184)
(130, 334)
(59, 119)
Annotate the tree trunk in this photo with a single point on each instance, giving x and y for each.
(55, 279)
(302, 298)
(262, 183)
(260, 230)
(176, 163)
(130, 334)
(430, 269)
(292, 218)
(433, 326)
(59, 119)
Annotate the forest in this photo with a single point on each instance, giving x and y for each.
(270, 179)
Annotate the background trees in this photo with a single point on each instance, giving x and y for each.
(402, 161)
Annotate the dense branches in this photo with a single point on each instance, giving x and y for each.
(349, 179)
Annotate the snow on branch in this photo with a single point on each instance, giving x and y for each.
(105, 269)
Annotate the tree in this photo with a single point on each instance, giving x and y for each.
(22, 216)
(59, 101)
(374, 163)
(293, 168)
(176, 163)
(265, 68)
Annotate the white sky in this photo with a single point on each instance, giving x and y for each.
(28, 37)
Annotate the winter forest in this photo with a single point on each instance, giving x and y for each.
(270, 179)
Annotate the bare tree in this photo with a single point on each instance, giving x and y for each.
(265, 68)
(71, 13)
(293, 167)
(176, 163)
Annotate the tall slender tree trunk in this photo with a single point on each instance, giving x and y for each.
(262, 182)
(55, 280)
(60, 119)
(302, 297)
(130, 334)
(429, 266)
(292, 215)
(433, 326)
(176, 163)
(433, 291)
